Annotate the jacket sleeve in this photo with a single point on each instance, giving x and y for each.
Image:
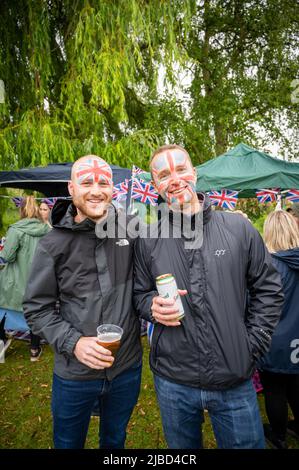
(265, 297)
(40, 305)
(144, 286)
(11, 246)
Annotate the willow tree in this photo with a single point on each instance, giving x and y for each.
(78, 76)
(82, 76)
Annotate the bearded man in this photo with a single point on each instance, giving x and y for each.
(90, 277)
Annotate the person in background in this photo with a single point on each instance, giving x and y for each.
(44, 212)
(17, 254)
(294, 211)
(279, 368)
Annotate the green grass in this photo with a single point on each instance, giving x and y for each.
(25, 416)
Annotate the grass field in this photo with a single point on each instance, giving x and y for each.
(25, 416)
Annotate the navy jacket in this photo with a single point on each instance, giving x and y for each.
(283, 356)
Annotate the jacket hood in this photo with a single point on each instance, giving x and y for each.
(59, 214)
(290, 257)
(33, 227)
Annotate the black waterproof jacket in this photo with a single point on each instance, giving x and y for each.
(92, 279)
(224, 330)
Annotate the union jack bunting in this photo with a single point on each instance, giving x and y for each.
(144, 192)
(267, 195)
(50, 201)
(226, 198)
(120, 191)
(293, 195)
(18, 201)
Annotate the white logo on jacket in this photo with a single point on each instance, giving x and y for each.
(219, 252)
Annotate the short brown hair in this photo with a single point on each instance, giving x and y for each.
(294, 209)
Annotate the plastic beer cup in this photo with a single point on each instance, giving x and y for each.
(109, 337)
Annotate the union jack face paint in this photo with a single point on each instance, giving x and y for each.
(174, 177)
(92, 171)
(91, 188)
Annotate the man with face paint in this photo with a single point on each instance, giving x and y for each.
(175, 179)
(89, 275)
(232, 298)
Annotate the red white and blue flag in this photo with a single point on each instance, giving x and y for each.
(144, 192)
(267, 195)
(226, 198)
(293, 195)
(120, 191)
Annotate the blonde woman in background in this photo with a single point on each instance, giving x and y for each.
(279, 368)
(20, 244)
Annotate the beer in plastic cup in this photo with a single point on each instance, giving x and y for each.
(109, 337)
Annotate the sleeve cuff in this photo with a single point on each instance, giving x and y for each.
(71, 341)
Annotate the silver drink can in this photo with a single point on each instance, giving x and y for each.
(167, 288)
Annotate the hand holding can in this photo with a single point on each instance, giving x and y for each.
(165, 312)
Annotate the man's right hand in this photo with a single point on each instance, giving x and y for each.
(92, 354)
(165, 311)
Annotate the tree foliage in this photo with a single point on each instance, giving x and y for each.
(82, 76)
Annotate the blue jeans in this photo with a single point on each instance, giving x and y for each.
(234, 415)
(73, 402)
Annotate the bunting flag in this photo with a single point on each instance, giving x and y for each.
(18, 201)
(144, 192)
(267, 195)
(226, 198)
(50, 201)
(293, 195)
(120, 191)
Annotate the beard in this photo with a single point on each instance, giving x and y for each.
(93, 212)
